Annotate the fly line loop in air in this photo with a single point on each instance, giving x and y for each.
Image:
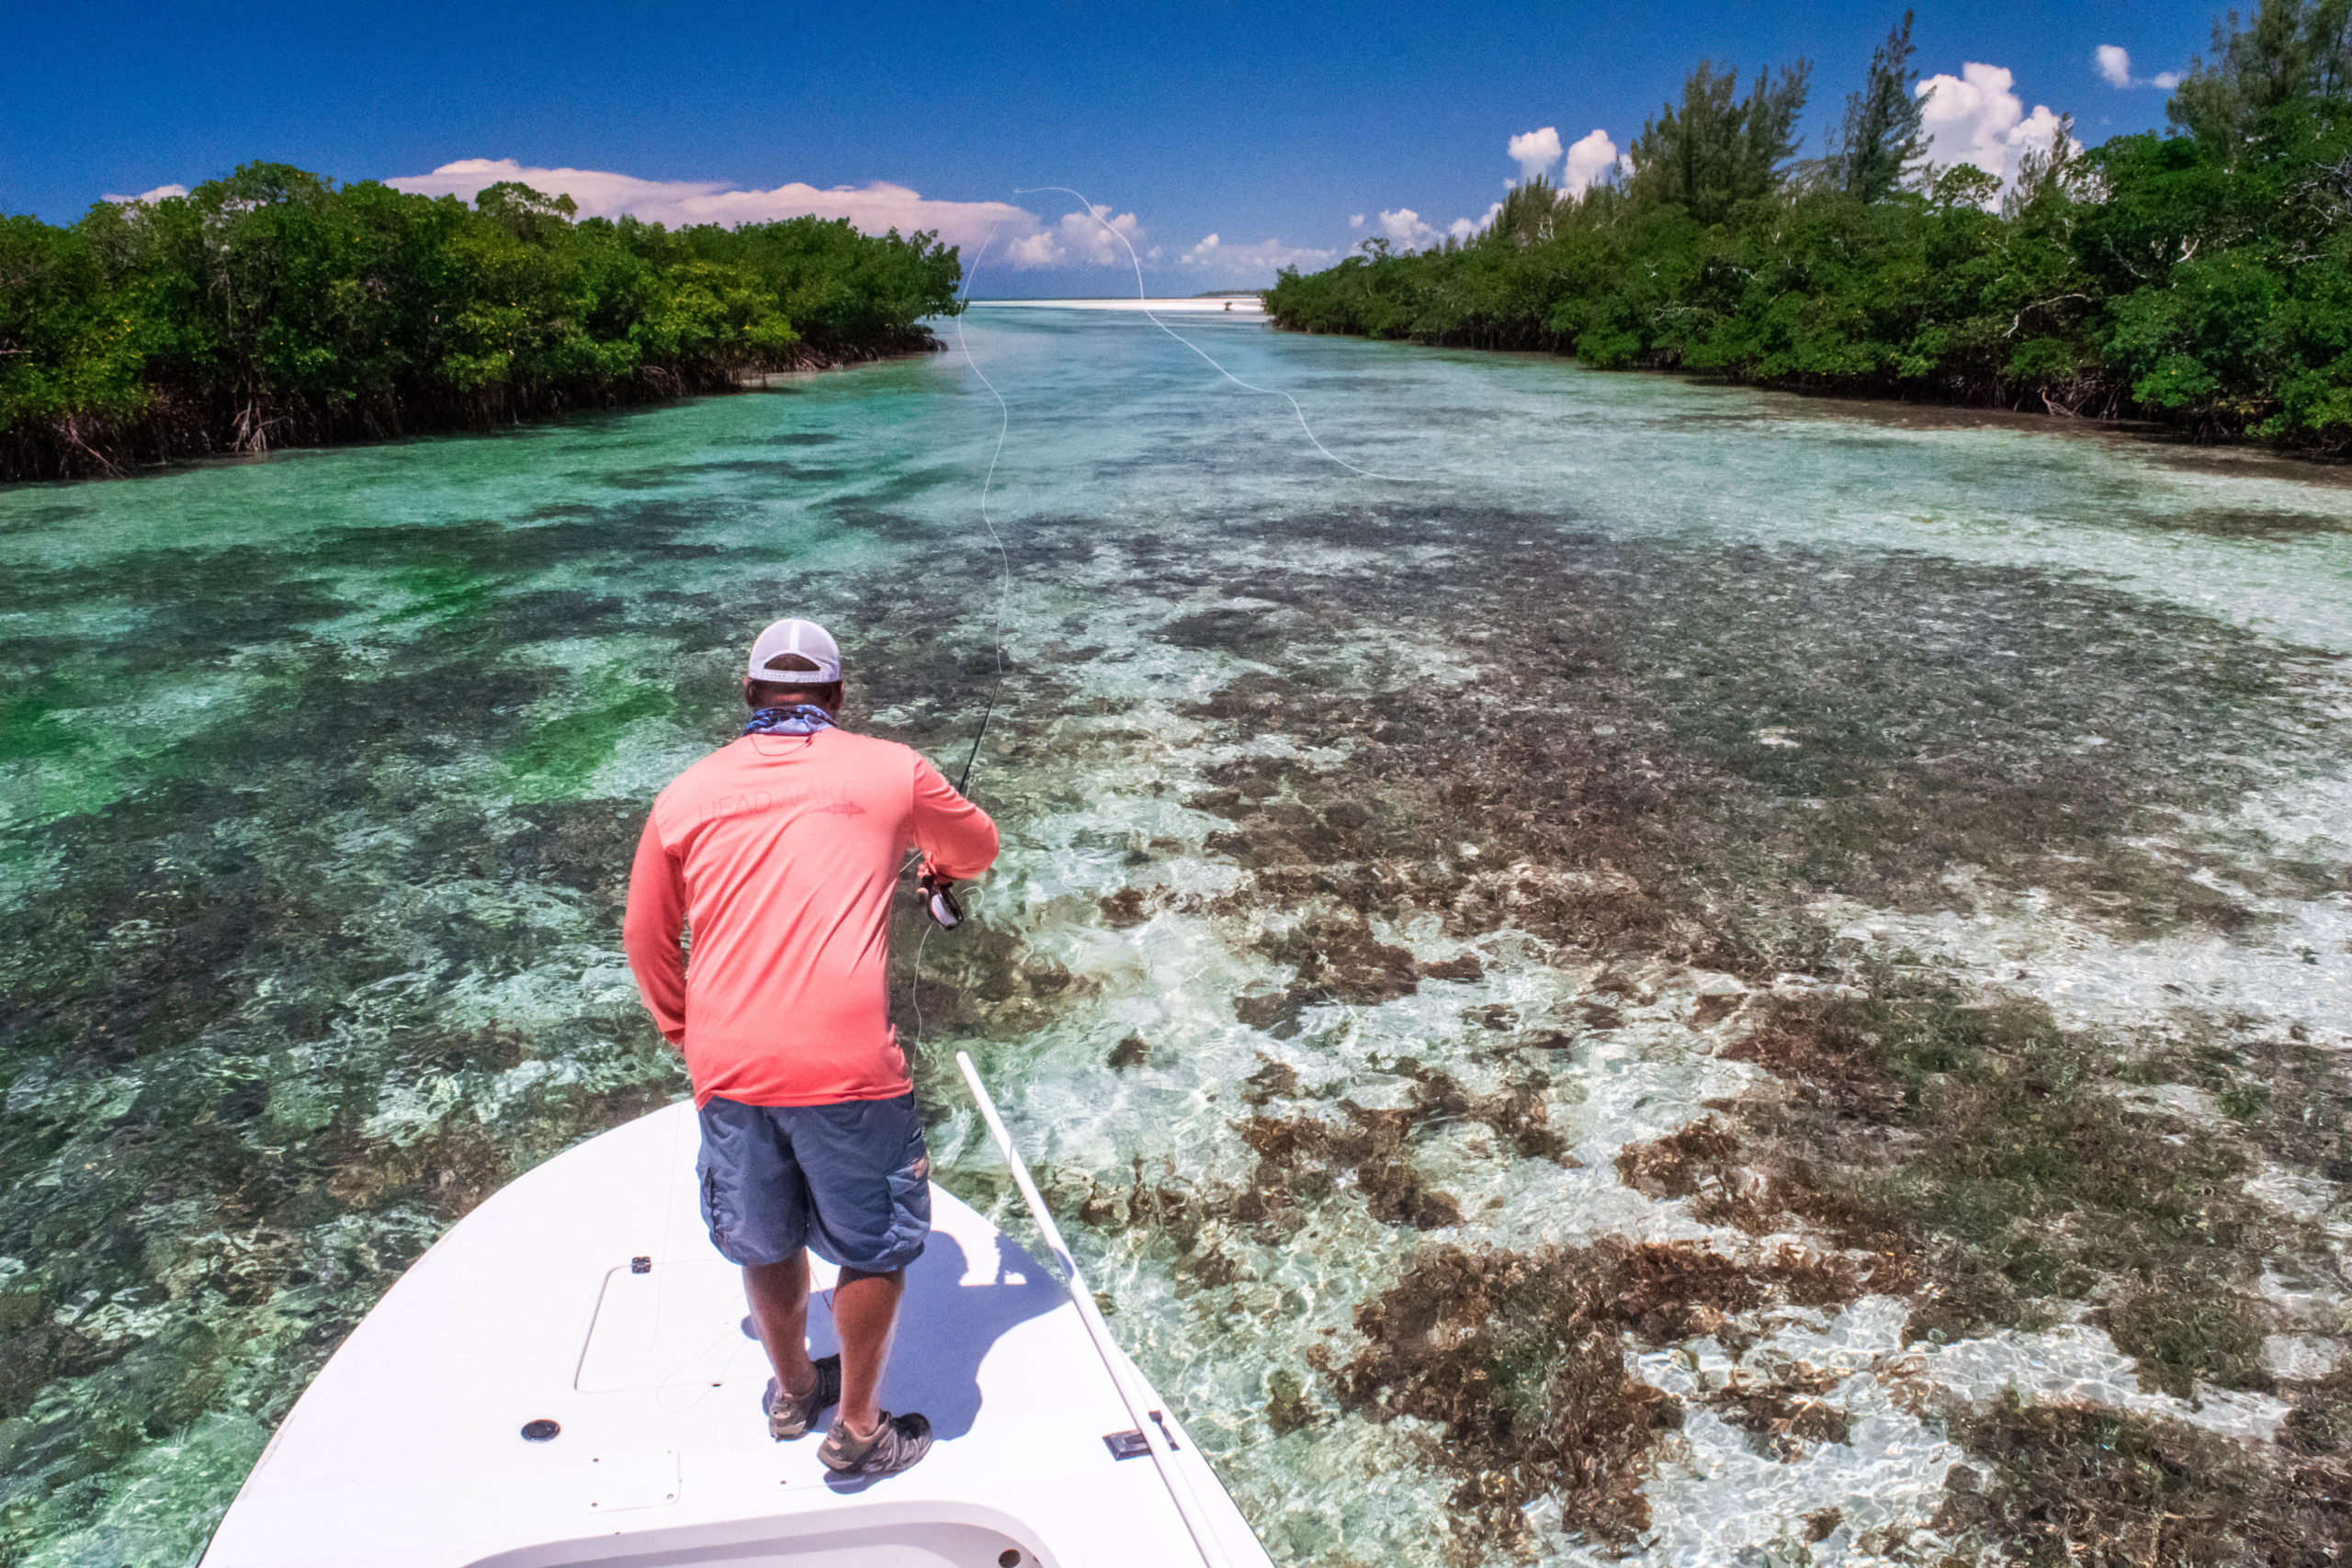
(1003, 588)
(996, 455)
(1143, 302)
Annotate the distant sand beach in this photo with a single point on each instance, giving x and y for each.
(1215, 304)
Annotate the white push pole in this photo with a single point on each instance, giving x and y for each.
(1180, 1487)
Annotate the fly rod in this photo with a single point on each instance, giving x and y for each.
(1180, 1488)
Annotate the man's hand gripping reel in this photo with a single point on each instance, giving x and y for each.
(939, 898)
(938, 895)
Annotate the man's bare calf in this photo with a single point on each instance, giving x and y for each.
(866, 1308)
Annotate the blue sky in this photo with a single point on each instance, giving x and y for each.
(1270, 126)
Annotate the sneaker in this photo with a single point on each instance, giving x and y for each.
(895, 1446)
(789, 1418)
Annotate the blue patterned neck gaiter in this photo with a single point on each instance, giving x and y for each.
(797, 718)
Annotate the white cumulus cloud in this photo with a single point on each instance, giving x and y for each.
(1263, 259)
(1356, 222)
(1462, 228)
(1022, 238)
(1590, 157)
(1405, 227)
(158, 194)
(1535, 151)
(1977, 117)
(1096, 238)
(2115, 68)
(1033, 250)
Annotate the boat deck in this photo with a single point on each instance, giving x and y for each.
(587, 1294)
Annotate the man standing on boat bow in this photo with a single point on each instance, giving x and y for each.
(781, 852)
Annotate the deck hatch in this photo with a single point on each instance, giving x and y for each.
(675, 1326)
(620, 1482)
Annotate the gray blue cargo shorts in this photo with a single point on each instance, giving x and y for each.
(851, 1181)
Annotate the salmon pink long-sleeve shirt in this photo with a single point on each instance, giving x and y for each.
(780, 852)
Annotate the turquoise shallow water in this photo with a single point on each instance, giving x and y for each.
(318, 778)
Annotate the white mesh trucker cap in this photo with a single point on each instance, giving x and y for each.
(795, 652)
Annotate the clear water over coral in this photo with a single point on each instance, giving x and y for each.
(1398, 872)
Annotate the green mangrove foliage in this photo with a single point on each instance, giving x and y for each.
(275, 306)
(2201, 278)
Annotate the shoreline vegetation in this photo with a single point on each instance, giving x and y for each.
(2200, 279)
(274, 308)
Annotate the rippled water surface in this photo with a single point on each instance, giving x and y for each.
(1708, 977)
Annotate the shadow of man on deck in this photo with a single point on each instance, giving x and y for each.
(956, 1307)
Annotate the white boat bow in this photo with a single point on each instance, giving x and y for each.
(586, 1296)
